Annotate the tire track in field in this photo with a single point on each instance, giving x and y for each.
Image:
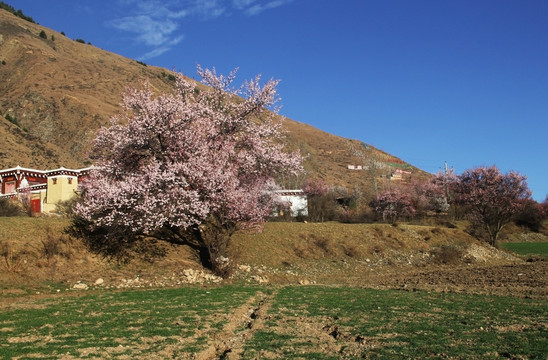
(243, 323)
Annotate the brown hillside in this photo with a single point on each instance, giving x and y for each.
(57, 92)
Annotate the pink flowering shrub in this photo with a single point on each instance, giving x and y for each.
(190, 167)
(491, 198)
(392, 205)
(315, 187)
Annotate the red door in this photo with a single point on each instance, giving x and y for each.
(35, 206)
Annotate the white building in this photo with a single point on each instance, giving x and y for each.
(296, 201)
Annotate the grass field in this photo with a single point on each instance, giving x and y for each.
(527, 248)
(292, 322)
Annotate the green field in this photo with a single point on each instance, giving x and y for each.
(292, 322)
(527, 248)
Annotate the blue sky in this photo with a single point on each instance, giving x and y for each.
(426, 80)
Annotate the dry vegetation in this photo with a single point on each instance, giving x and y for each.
(36, 252)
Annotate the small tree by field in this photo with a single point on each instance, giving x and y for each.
(428, 197)
(544, 207)
(392, 205)
(321, 202)
(491, 198)
(531, 215)
(190, 167)
(10, 207)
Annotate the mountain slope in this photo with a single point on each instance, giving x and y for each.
(56, 93)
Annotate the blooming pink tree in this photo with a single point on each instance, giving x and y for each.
(492, 198)
(190, 167)
(392, 205)
(428, 196)
(315, 187)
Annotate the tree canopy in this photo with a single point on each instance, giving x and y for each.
(191, 167)
(491, 198)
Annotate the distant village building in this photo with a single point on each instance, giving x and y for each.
(296, 201)
(46, 188)
(355, 167)
(398, 174)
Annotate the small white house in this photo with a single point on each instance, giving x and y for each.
(296, 201)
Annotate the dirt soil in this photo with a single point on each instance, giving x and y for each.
(520, 279)
(528, 279)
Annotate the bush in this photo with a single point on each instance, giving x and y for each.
(66, 208)
(120, 246)
(80, 41)
(17, 13)
(9, 207)
(11, 261)
(12, 119)
(355, 216)
(351, 250)
(43, 34)
(322, 208)
(447, 254)
(531, 215)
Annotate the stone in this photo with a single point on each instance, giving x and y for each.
(80, 286)
(244, 268)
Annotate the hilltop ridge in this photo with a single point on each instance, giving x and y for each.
(57, 92)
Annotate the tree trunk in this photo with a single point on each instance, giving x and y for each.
(213, 237)
(205, 257)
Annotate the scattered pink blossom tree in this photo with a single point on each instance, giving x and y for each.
(544, 205)
(428, 197)
(531, 215)
(315, 187)
(491, 198)
(392, 205)
(190, 167)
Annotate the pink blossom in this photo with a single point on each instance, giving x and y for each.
(178, 160)
(492, 198)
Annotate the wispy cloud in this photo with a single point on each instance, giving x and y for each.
(242, 4)
(251, 7)
(159, 50)
(156, 23)
(150, 31)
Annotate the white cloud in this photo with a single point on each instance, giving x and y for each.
(242, 4)
(154, 53)
(156, 23)
(208, 8)
(259, 8)
(150, 31)
(161, 49)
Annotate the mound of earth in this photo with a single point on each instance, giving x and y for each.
(36, 255)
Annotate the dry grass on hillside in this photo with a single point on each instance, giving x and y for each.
(36, 249)
(36, 254)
